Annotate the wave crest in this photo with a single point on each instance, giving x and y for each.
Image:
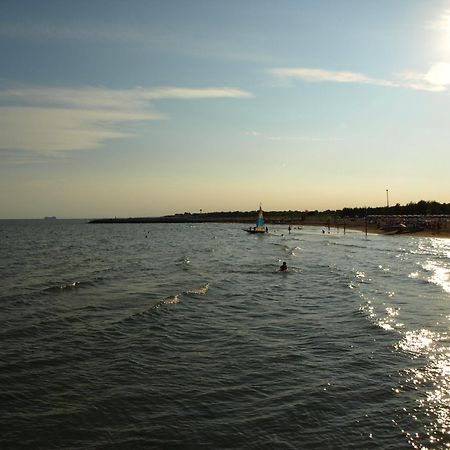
(201, 290)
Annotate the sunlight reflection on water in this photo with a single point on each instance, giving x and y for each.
(440, 274)
(428, 347)
(434, 404)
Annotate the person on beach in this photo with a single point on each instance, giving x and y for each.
(289, 229)
(283, 267)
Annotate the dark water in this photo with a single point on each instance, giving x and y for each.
(187, 337)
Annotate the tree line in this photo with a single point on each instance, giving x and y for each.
(421, 208)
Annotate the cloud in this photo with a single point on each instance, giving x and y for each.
(439, 74)
(290, 138)
(97, 97)
(50, 130)
(188, 93)
(309, 74)
(442, 23)
(51, 120)
(435, 80)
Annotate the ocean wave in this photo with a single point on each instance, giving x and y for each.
(201, 290)
(360, 277)
(438, 248)
(440, 274)
(385, 321)
(347, 244)
(418, 342)
(171, 300)
(149, 309)
(64, 287)
(70, 285)
(184, 261)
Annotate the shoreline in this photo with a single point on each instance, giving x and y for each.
(417, 225)
(371, 228)
(445, 234)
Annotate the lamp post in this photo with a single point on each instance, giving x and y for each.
(387, 197)
(365, 221)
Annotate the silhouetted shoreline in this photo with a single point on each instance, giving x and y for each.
(420, 225)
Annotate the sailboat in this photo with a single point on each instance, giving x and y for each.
(259, 228)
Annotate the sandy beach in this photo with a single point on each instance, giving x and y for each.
(358, 224)
(426, 233)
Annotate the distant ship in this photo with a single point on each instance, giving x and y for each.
(259, 228)
(50, 218)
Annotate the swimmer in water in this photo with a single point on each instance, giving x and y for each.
(283, 267)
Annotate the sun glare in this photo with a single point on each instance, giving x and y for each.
(439, 74)
(444, 26)
(446, 22)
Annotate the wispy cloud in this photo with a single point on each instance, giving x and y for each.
(50, 130)
(291, 138)
(189, 93)
(51, 120)
(98, 97)
(311, 74)
(435, 80)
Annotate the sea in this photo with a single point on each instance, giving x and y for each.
(187, 336)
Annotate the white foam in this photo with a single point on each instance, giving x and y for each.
(201, 290)
(171, 300)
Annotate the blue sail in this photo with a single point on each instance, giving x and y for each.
(260, 219)
(259, 228)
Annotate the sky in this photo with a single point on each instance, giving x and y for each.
(144, 108)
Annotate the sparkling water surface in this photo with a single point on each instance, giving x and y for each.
(179, 336)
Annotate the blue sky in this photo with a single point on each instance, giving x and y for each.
(131, 108)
